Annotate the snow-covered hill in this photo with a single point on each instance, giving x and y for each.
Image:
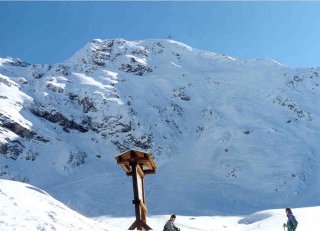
(229, 136)
(25, 207)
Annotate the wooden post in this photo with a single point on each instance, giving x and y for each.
(136, 200)
(140, 208)
(133, 163)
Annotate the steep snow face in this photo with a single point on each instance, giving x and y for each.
(228, 135)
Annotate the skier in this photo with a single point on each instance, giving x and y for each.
(292, 223)
(169, 226)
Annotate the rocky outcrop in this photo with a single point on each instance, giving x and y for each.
(87, 104)
(55, 88)
(75, 159)
(19, 63)
(293, 107)
(136, 69)
(181, 94)
(8, 83)
(11, 149)
(62, 70)
(57, 118)
(101, 52)
(16, 128)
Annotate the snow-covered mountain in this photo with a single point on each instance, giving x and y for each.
(229, 136)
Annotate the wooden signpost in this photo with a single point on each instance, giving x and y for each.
(137, 164)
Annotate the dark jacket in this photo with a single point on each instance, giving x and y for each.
(292, 223)
(169, 226)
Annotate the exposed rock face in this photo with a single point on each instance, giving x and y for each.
(56, 117)
(12, 149)
(18, 63)
(136, 69)
(87, 105)
(75, 160)
(16, 127)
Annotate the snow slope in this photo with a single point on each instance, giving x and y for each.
(229, 136)
(25, 207)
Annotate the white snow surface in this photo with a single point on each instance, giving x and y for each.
(229, 136)
(25, 207)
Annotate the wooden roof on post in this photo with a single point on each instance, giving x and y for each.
(144, 159)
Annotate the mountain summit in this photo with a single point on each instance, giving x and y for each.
(228, 135)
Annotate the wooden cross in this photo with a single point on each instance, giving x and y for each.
(137, 164)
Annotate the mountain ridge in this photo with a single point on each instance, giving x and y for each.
(217, 125)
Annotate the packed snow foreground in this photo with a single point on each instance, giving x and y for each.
(25, 207)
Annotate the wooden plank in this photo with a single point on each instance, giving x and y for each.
(126, 168)
(143, 164)
(149, 171)
(144, 207)
(140, 171)
(151, 161)
(144, 171)
(123, 162)
(134, 225)
(145, 226)
(140, 160)
(144, 159)
(123, 156)
(136, 192)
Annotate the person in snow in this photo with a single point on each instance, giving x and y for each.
(292, 223)
(169, 226)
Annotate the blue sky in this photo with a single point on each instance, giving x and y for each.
(50, 32)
